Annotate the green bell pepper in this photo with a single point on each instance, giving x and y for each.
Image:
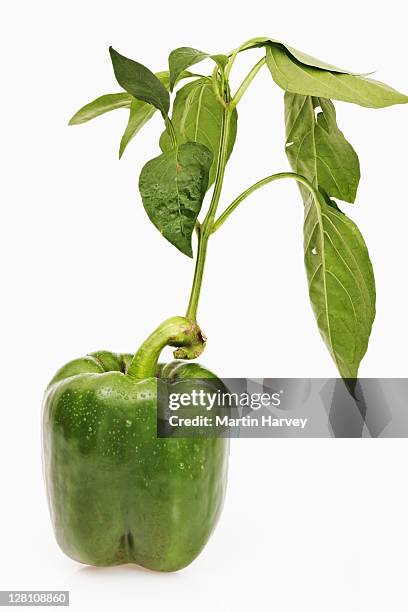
(118, 493)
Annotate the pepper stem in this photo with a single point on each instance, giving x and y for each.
(176, 331)
(207, 225)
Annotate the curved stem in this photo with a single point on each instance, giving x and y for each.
(214, 83)
(171, 131)
(177, 331)
(233, 54)
(219, 176)
(207, 225)
(269, 179)
(246, 82)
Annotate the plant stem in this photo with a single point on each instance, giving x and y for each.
(177, 331)
(171, 131)
(219, 176)
(198, 276)
(207, 226)
(269, 179)
(233, 55)
(247, 81)
(214, 82)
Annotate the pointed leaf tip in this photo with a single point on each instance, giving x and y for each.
(100, 106)
(140, 82)
(182, 58)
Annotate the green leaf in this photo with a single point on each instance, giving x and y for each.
(182, 58)
(197, 116)
(298, 72)
(140, 82)
(317, 149)
(221, 60)
(139, 115)
(101, 105)
(297, 77)
(303, 58)
(173, 187)
(339, 271)
(141, 112)
(341, 283)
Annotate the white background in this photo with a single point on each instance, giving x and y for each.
(308, 525)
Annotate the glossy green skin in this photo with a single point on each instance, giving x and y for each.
(117, 493)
